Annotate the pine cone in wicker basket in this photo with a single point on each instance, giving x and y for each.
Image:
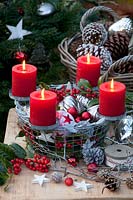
(94, 33)
(74, 45)
(117, 44)
(125, 68)
(98, 51)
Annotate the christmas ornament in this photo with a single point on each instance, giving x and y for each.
(86, 116)
(94, 33)
(112, 184)
(69, 181)
(72, 161)
(98, 51)
(40, 179)
(124, 129)
(117, 44)
(92, 167)
(21, 11)
(70, 102)
(20, 56)
(56, 177)
(45, 9)
(92, 154)
(17, 32)
(129, 182)
(73, 111)
(123, 24)
(38, 56)
(82, 186)
(45, 137)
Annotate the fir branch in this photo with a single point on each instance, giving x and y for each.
(6, 152)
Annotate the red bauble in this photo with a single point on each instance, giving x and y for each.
(86, 115)
(69, 181)
(72, 161)
(73, 111)
(21, 11)
(92, 167)
(20, 56)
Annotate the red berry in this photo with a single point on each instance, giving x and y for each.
(69, 181)
(78, 119)
(92, 167)
(69, 146)
(73, 111)
(86, 115)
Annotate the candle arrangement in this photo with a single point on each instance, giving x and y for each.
(88, 67)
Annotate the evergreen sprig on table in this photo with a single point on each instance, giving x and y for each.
(7, 153)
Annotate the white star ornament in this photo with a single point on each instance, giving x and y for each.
(17, 32)
(40, 179)
(82, 186)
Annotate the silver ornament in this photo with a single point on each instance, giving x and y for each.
(123, 24)
(45, 9)
(124, 129)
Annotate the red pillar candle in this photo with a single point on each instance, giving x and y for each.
(23, 79)
(88, 69)
(112, 98)
(43, 108)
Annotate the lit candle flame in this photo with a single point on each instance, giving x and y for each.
(112, 84)
(88, 58)
(42, 94)
(24, 65)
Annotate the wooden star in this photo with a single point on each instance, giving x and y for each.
(17, 32)
(40, 179)
(82, 186)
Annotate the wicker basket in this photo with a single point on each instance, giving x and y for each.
(70, 62)
(126, 78)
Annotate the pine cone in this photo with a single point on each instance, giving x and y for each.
(92, 154)
(74, 45)
(117, 44)
(129, 183)
(125, 68)
(94, 33)
(98, 51)
(112, 183)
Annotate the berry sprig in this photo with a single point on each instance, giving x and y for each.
(82, 90)
(37, 163)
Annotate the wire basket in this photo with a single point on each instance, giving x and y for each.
(70, 62)
(59, 143)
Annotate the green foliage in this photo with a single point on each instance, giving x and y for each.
(18, 150)
(7, 153)
(84, 83)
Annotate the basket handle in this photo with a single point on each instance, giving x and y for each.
(110, 71)
(95, 9)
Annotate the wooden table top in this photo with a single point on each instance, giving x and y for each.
(21, 187)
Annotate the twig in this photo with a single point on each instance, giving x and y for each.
(111, 2)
